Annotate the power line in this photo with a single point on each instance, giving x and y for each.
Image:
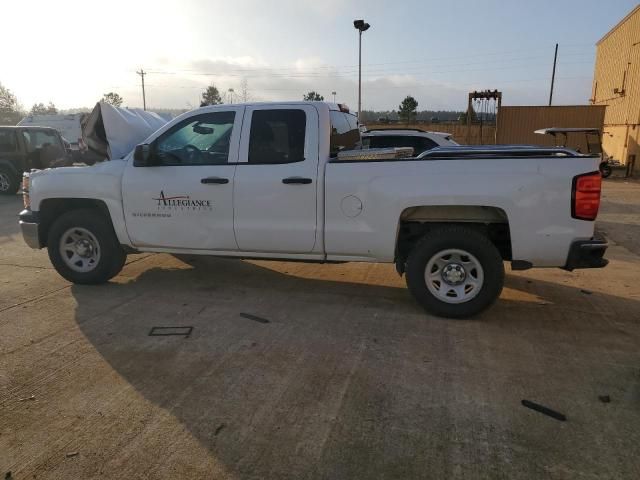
(426, 60)
(326, 70)
(302, 75)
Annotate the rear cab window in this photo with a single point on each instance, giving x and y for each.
(345, 134)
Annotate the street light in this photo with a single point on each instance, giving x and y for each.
(231, 94)
(334, 96)
(361, 26)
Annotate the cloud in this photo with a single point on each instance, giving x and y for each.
(174, 85)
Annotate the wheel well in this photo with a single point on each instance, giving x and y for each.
(416, 222)
(52, 208)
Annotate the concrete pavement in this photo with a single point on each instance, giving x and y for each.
(340, 376)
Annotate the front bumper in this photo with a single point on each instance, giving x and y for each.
(29, 224)
(587, 254)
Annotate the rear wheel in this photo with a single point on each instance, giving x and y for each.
(9, 181)
(83, 247)
(455, 272)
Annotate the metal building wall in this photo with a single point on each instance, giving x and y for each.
(616, 83)
(517, 124)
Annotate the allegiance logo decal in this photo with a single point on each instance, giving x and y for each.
(167, 206)
(181, 202)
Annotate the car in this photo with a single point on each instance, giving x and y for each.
(24, 148)
(419, 140)
(290, 181)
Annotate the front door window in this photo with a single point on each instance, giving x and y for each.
(199, 140)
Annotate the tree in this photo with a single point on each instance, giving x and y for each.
(244, 90)
(462, 119)
(112, 98)
(211, 96)
(408, 108)
(313, 97)
(10, 113)
(41, 109)
(38, 109)
(51, 109)
(8, 101)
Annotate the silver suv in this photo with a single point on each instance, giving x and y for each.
(420, 140)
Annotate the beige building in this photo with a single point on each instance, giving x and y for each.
(616, 84)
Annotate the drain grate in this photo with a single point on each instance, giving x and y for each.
(171, 331)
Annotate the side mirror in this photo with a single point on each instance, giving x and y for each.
(142, 156)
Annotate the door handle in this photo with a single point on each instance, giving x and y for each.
(296, 180)
(216, 180)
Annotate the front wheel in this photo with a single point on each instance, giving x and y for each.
(83, 247)
(455, 272)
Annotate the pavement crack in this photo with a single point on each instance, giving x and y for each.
(25, 266)
(34, 299)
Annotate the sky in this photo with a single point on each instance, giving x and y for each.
(72, 52)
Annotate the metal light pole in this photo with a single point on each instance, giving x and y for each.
(334, 96)
(361, 26)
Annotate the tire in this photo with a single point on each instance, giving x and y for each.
(605, 170)
(85, 232)
(9, 181)
(466, 272)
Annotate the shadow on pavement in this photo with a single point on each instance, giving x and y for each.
(351, 380)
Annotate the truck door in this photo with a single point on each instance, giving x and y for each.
(276, 180)
(185, 199)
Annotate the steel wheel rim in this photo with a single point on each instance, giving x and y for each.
(5, 182)
(79, 249)
(454, 276)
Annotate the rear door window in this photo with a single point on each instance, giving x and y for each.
(8, 142)
(277, 136)
(39, 139)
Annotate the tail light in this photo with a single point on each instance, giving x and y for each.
(585, 196)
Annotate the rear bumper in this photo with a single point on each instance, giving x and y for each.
(587, 254)
(29, 224)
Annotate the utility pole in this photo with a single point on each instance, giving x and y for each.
(142, 73)
(553, 75)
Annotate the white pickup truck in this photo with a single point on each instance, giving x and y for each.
(286, 181)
